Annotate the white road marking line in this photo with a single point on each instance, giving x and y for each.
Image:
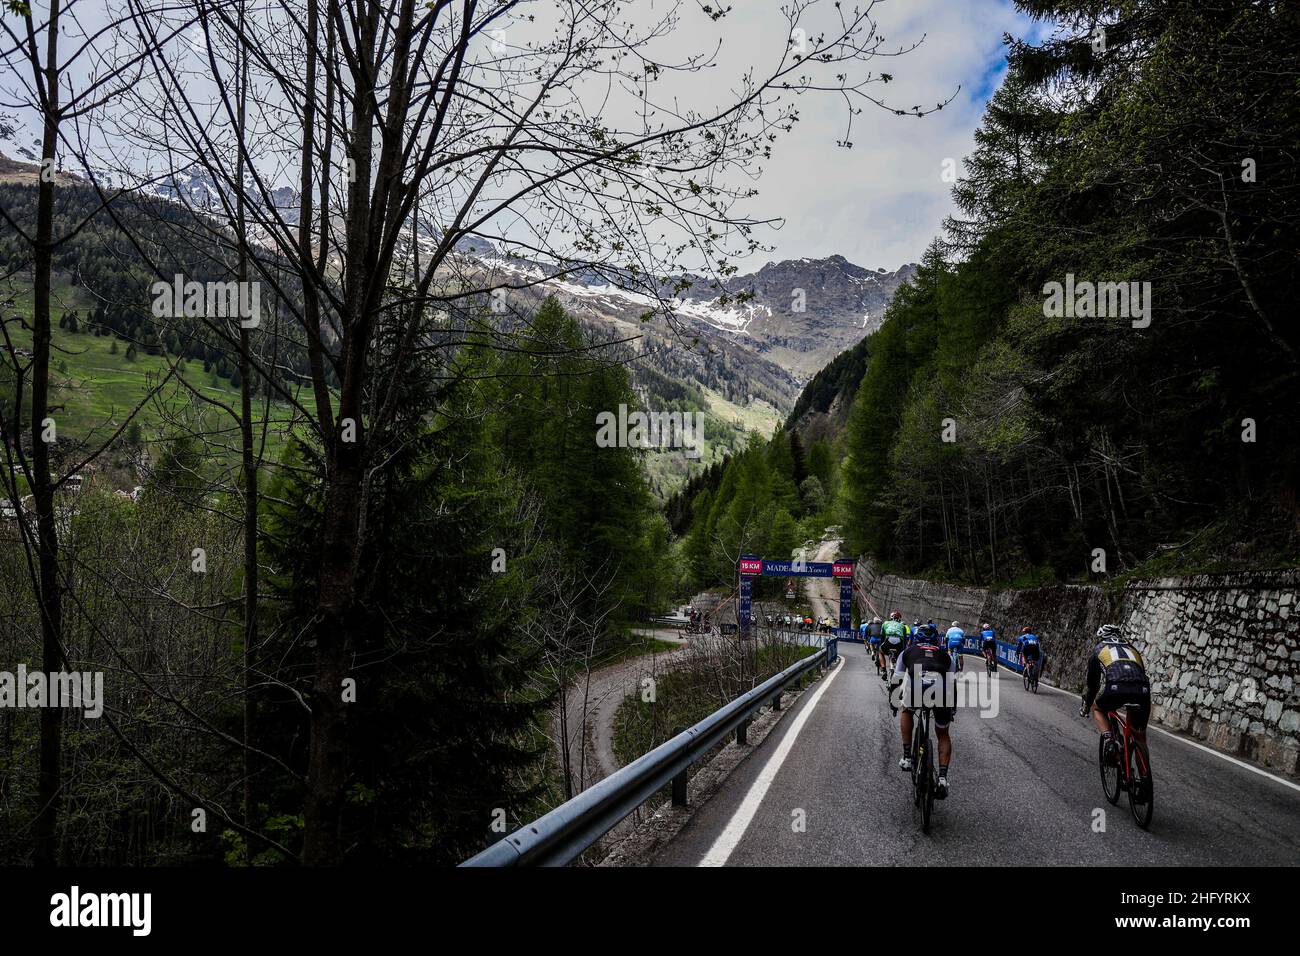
(727, 841)
(1209, 750)
(1223, 756)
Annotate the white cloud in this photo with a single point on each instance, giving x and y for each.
(882, 201)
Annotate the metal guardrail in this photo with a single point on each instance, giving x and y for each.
(560, 837)
(803, 638)
(665, 621)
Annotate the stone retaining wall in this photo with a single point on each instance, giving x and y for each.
(1223, 651)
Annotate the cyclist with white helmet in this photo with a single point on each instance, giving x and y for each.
(1116, 678)
(954, 638)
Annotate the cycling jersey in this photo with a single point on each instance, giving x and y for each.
(895, 633)
(1116, 678)
(929, 659)
(988, 637)
(955, 637)
(1028, 646)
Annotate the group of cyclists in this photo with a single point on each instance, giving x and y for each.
(697, 621)
(891, 637)
(799, 622)
(1116, 676)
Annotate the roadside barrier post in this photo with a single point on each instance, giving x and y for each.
(679, 781)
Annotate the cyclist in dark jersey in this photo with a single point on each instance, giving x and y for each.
(927, 655)
(1116, 678)
(988, 640)
(875, 629)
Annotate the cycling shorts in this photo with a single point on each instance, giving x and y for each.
(990, 645)
(1031, 652)
(942, 715)
(1136, 696)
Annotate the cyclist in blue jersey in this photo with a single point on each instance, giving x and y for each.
(954, 639)
(1029, 648)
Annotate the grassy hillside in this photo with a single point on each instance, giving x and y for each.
(727, 430)
(97, 388)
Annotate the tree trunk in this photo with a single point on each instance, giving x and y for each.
(50, 599)
(327, 768)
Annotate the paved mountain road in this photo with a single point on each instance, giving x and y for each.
(824, 593)
(1025, 785)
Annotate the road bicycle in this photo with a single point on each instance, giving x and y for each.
(1128, 767)
(990, 660)
(1031, 676)
(958, 662)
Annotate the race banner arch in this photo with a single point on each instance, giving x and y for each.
(751, 566)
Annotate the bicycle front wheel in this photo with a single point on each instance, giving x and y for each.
(1141, 797)
(918, 752)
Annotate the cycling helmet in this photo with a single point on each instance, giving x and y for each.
(1109, 632)
(1026, 630)
(928, 631)
(985, 626)
(875, 620)
(895, 615)
(955, 624)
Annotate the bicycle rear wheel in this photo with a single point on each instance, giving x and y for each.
(1033, 680)
(927, 790)
(1141, 797)
(1025, 677)
(1109, 771)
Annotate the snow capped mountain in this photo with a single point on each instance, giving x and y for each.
(16, 141)
(767, 332)
(797, 314)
